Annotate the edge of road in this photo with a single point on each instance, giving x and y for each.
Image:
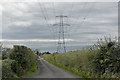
(81, 74)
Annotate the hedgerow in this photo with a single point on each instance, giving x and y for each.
(99, 61)
(20, 61)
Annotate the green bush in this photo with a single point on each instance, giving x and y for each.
(5, 54)
(24, 60)
(6, 69)
(18, 62)
(107, 59)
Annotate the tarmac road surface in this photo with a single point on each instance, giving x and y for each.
(48, 70)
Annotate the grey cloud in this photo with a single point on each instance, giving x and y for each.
(101, 20)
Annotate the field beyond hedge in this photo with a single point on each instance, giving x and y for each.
(99, 61)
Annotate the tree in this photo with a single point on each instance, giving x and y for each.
(46, 53)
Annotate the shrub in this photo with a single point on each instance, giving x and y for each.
(24, 60)
(6, 69)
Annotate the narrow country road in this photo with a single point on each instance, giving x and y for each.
(47, 70)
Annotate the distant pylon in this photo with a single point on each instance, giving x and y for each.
(61, 48)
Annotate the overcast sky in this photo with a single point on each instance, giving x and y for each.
(25, 24)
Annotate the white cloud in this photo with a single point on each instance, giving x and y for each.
(33, 40)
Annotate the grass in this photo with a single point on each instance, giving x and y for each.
(81, 74)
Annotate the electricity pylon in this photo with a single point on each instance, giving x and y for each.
(61, 48)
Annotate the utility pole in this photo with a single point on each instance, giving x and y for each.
(61, 48)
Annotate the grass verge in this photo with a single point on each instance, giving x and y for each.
(81, 74)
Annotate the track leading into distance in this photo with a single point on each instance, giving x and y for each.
(47, 70)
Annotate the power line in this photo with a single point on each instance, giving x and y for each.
(50, 24)
(43, 13)
(61, 28)
(71, 10)
(70, 18)
(54, 14)
(46, 14)
(88, 13)
(46, 18)
(85, 4)
(86, 16)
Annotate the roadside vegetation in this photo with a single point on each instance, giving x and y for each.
(0, 60)
(19, 62)
(101, 60)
